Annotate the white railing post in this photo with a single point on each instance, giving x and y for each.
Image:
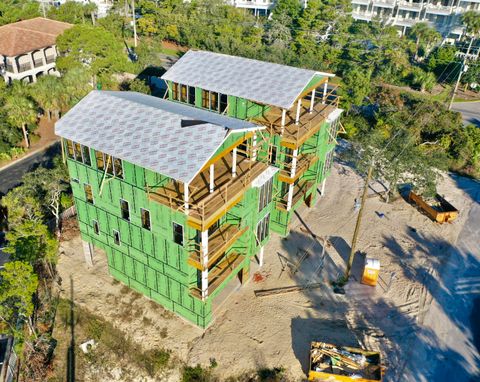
(260, 256)
(312, 101)
(234, 162)
(292, 174)
(212, 178)
(284, 115)
(325, 89)
(185, 197)
(254, 147)
(204, 260)
(297, 117)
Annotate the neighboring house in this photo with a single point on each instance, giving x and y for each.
(183, 194)
(103, 6)
(444, 15)
(28, 48)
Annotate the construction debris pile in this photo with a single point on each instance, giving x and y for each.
(351, 362)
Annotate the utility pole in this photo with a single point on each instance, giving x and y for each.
(462, 68)
(359, 220)
(43, 9)
(134, 25)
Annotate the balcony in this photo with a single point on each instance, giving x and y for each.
(438, 9)
(24, 67)
(218, 243)
(304, 162)
(361, 2)
(299, 192)
(295, 134)
(50, 59)
(206, 208)
(38, 63)
(220, 272)
(365, 16)
(384, 3)
(410, 6)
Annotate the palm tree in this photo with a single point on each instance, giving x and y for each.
(45, 92)
(422, 32)
(426, 80)
(471, 19)
(20, 112)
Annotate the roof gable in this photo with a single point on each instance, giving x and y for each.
(172, 139)
(259, 81)
(29, 35)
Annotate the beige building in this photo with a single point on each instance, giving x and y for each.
(28, 48)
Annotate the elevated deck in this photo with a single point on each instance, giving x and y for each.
(299, 192)
(205, 208)
(220, 273)
(218, 243)
(304, 162)
(295, 134)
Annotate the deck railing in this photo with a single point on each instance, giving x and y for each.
(218, 243)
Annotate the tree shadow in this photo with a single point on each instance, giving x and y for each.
(411, 350)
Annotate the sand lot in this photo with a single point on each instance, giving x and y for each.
(253, 332)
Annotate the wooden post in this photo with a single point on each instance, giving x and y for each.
(322, 192)
(297, 117)
(185, 197)
(284, 115)
(312, 101)
(212, 178)
(204, 258)
(234, 162)
(359, 220)
(254, 147)
(260, 256)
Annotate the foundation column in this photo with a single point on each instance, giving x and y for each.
(88, 252)
(292, 174)
(204, 255)
(260, 256)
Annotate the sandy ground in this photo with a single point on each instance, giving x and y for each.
(254, 332)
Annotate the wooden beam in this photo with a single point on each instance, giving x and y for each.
(227, 150)
(283, 290)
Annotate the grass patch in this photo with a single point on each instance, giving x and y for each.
(114, 347)
(197, 374)
(271, 375)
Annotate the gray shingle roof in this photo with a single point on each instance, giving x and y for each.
(263, 82)
(148, 131)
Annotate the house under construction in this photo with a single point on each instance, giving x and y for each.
(183, 193)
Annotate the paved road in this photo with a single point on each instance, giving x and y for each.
(11, 176)
(470, 111)
(447, 347)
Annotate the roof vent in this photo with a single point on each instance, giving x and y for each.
(191, 122)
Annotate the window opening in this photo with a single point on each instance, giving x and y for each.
(116, 237)
(88, 193)
(125, 209)
(178, 233)
(96, 228)
(145, 218)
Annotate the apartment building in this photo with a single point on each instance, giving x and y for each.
(28, 48)
(183, 193)
(103, 6)
(444, 15)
